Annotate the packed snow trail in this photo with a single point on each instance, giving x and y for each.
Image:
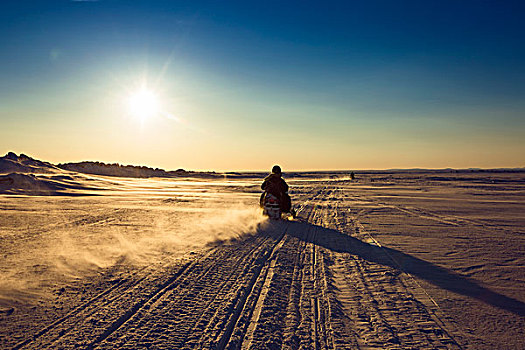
(285, 287)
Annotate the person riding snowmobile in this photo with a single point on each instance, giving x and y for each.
(274, 184)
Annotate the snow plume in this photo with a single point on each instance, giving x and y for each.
(229, 223)
(137, 239)
(163, 241)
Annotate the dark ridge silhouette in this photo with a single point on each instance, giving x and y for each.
(115, 169)
(12, 163)
(136, 171)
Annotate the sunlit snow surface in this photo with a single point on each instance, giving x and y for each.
(67, 237)
(112, 220)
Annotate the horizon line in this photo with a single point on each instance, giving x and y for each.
(288, 171)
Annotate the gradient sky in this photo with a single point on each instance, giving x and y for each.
(243, 85)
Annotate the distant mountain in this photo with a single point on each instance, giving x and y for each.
(11, 163)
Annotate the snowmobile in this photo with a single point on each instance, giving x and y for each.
(274, 208)
(271, 206)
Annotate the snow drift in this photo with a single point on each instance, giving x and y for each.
(11, 163)
(43, 184)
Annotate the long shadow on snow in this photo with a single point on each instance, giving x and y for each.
(439, 276)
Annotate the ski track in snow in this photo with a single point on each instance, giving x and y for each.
(281, 288)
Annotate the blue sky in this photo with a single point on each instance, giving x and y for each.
(309, 85)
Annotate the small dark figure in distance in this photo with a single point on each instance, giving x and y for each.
(352, 176)
(276, 190)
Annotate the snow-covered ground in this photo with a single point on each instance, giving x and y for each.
(389, 261)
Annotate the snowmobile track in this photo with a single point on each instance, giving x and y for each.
(292, 285)
(268, 259)
(69, 315)
(151, 298)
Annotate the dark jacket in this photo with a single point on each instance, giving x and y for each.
(275, 185)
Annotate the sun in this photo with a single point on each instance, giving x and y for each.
(143, 104)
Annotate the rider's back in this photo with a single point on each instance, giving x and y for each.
(275, 185)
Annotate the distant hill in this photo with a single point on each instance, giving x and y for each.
(115, 169)
(12, 163)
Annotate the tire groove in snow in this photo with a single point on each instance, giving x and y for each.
(248, 323)
(285, 318)
(382, 307)
(293, 285)
(200, 286)
(153, 296)
(68, 315)
(61, 327)
(361, 304)
(268, 259)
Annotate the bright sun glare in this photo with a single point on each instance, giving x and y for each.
(143, 104)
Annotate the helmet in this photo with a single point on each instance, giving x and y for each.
(276, 169)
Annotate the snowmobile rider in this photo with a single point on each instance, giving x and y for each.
(275, 185)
